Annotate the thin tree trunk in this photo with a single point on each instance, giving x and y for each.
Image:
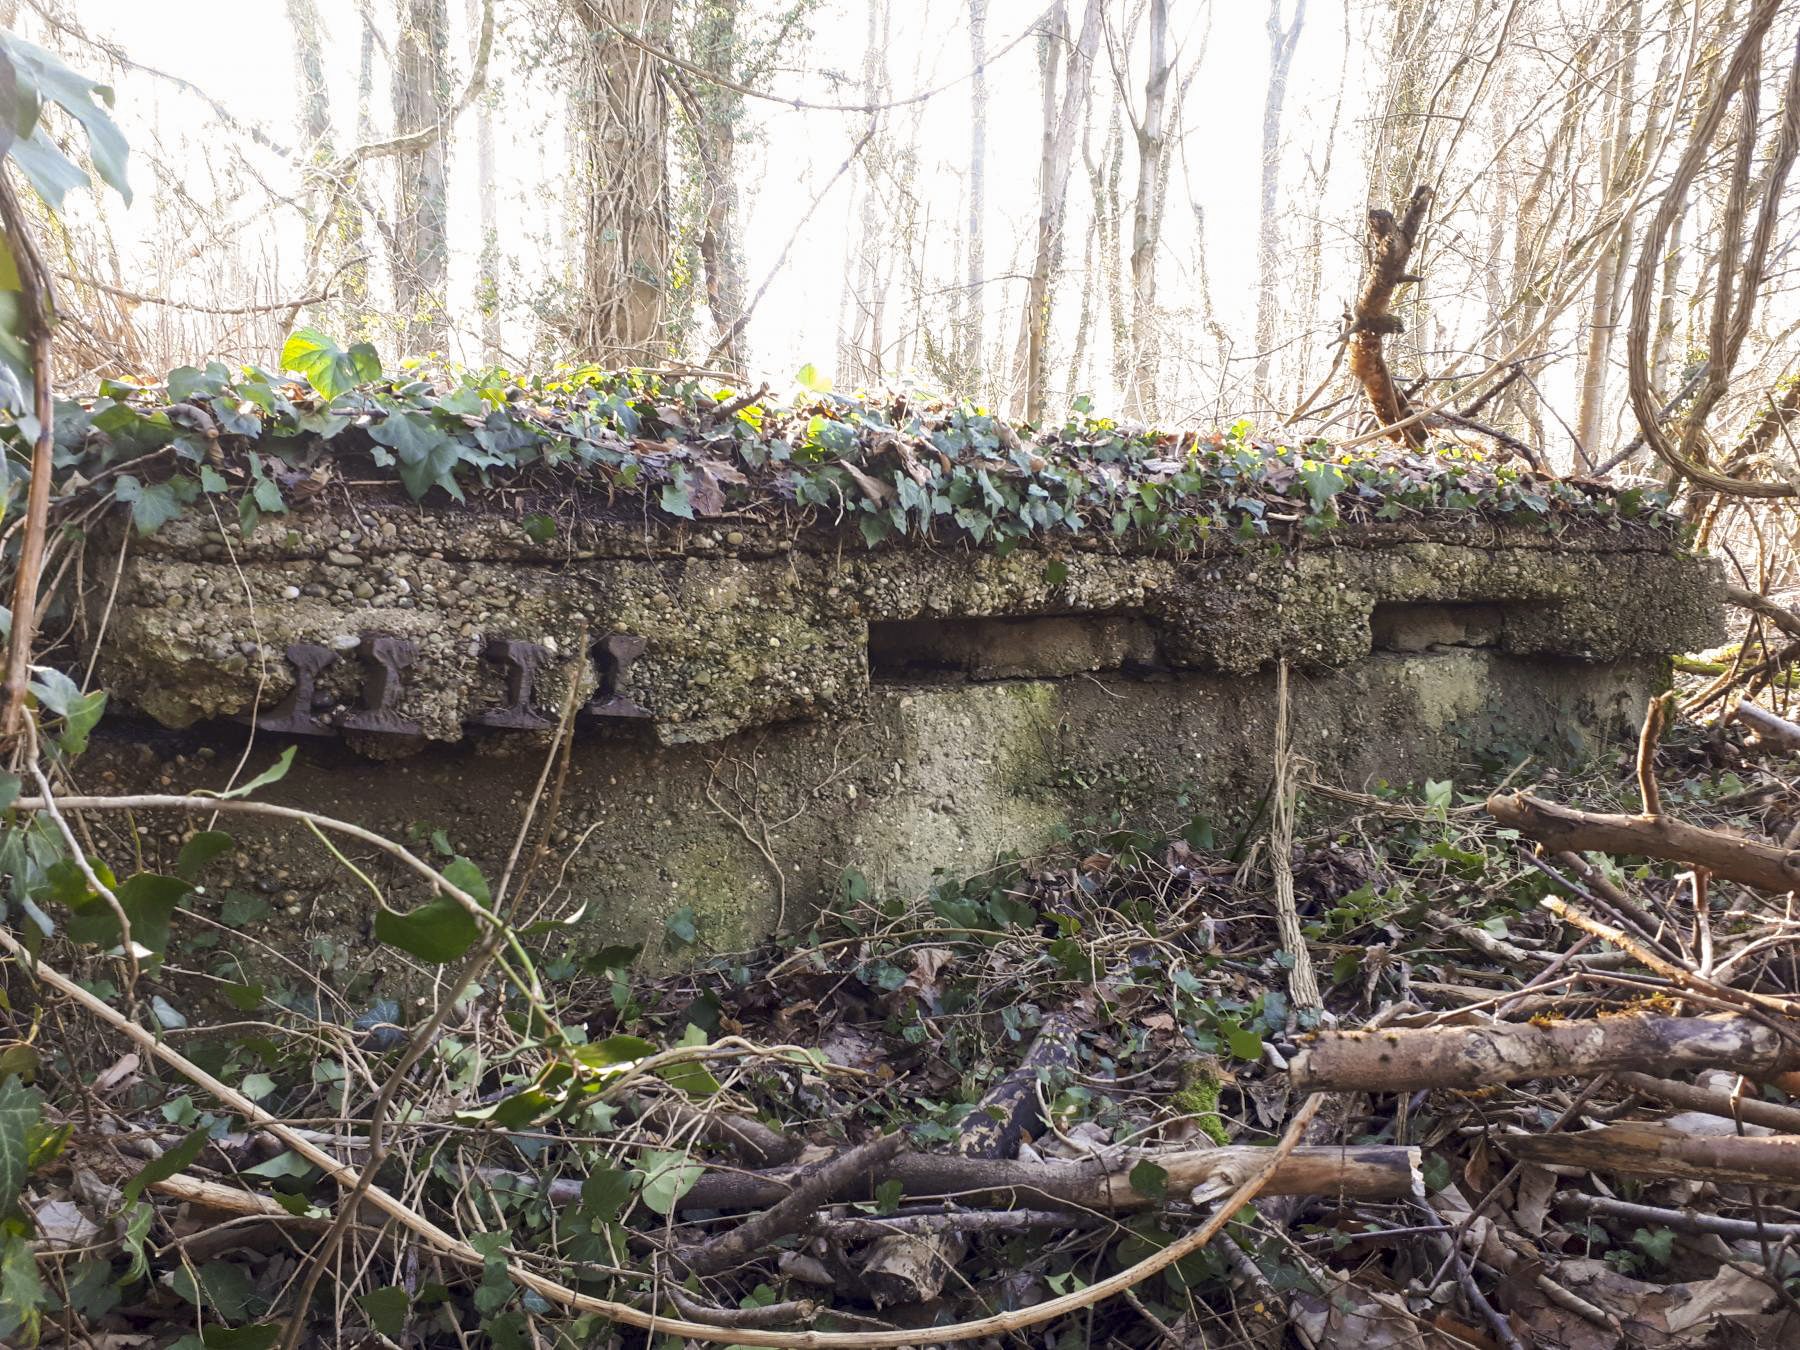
(421, 94)
(1146, 219)
(1281, 57)
(487, 263)
(976, 318)
(1056, 163)
(621, 305)
(1591, 410)
(713, 112)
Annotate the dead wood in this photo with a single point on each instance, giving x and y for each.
(754, 1142)
(1784, 619)
(911, 1267)
(955, 1221)
(812, 1187)
(1643, 1149)
(1471, 1057)
(1767, 867)
(1366, 1172)
(1688, 1097)
(1390, 245)
(1681, 1220)
(1776, 730)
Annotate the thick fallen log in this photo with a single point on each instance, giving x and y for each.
(1505, 1052)
(1654, 1150)
(1768, 867)
(1364, 1172)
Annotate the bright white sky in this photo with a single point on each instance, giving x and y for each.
(238, 52)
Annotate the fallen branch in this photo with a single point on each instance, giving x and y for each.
(754, 1142)
(813, 1186)
(1784, 619)
(1504, 1052)
(1366, 1172)
(1656, 1150)
(1767, 867)
(1767, 725)
(960, 1221)
(1681, 1220)
(1753, 1110)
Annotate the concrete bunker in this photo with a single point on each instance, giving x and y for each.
(760, 708)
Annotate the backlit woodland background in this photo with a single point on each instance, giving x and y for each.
(1158, 204)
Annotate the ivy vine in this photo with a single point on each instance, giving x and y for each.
(900, 464)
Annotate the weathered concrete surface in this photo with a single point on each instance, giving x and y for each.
(923, 777)
(900, 711)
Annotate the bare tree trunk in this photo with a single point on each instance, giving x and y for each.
(859, 345)
(1590, 411)
(315, 103)
(487, 263)
(421, 95)
(621, 304)
(1146, 219)
(1281, 57)
(976, 319)
(713, 111)
(1055, 165)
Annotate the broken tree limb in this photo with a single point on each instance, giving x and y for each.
(1784, 619)
(1690, 1097)
(1364, 1172)
(910, 1268)
(813, 1186)
(1654, 1150)
(1768, 867)
(1470, 1057)
(1371, 322)
(958, 1221)
(1681, 1220)
(1776, 730)
(754, 1142)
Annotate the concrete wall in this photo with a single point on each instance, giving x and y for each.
(806, 704)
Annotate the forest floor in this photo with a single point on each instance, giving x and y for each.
(944, 1116)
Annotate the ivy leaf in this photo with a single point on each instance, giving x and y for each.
(667, 1177)
(386, 1309)
(153, 505)
(22, 1292)
(808, 377)
(273, 774)
(605, 1192)
(20, 1110)
(200, 850)
(675, 497)
(1149, 1180)
(171, 1162)
(41, 76)
(437, 932)
(328, 367)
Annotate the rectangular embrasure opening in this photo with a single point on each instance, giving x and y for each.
(1407, 627)
(1038, 647)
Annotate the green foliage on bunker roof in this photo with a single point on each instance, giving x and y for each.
(685, 447)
